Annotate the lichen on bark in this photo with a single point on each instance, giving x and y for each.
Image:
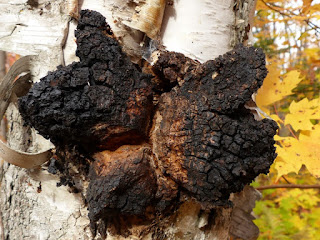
(145, 157)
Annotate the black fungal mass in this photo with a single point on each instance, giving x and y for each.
(206, 140)
(196, 140)
(103, 101)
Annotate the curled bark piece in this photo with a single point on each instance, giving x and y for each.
(73, 8)
(148, 17)
(8, 82)
(242, 217)
(11, 89)
(23, 159)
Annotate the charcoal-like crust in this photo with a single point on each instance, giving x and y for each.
(199, 140)
(206, 141)
(103, 101)
(121, 182)
(127, 182)
(228, 82)
(208, 154)
(236, 76)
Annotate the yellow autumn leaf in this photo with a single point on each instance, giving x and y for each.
(311, 141)
(293, 153)
(301, 112)
(306, 5)
(303, 35)
(314, 9)
(273, 89)
(312, 53)
(289, 157)
(276, 119)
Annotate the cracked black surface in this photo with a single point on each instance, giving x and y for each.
(94, 102)
(201, 140)
(207, 142)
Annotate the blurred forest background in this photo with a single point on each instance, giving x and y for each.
(289, 33)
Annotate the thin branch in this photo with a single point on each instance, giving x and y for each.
(276, 9)
(317, 186)
(286, 179)
(291, 131)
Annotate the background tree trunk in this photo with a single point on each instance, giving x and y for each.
(32, 206)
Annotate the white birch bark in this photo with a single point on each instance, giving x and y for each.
(200, 29)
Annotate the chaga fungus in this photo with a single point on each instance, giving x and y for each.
(205, 139)
(103, 101)
(199, 140)
(128, 189)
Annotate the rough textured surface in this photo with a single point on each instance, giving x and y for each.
(127, 182)
(226, 82)
(25, 194)
(16, 214)
(122, 180)
(206, 141)
(198, 141)
(103, 101)
(244, 14)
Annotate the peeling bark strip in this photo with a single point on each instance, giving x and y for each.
(11, 87)
(148, 17)
(198, 141)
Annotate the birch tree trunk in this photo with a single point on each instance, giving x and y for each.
(32, 206)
